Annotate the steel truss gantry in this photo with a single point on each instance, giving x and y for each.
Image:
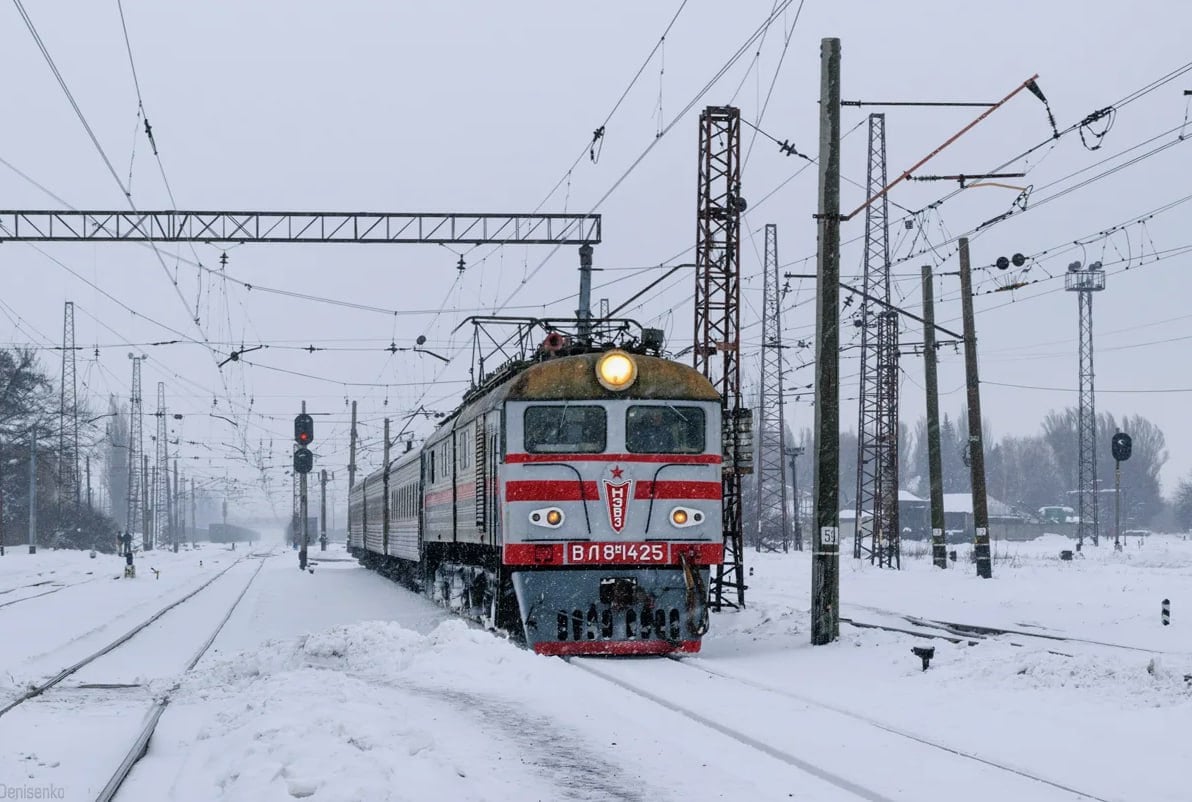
(876, 533)
(772, 513)
(718, 322)
(296, 227)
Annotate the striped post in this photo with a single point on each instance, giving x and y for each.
(1166, 612)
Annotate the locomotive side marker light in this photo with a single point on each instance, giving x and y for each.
(682, 517)
(550, 517)
(616, 370)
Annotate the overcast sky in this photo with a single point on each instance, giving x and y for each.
(454, 106)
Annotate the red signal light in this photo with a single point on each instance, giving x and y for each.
(304, 429)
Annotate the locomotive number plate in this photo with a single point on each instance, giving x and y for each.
(606, 553)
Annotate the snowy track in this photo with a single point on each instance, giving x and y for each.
(957, 632)
(141, 743)
(38, 689)
(823, 740)
(36, 590)
(114, 679)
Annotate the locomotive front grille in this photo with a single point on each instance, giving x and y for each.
(648, 623)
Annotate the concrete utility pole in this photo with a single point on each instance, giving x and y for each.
(976, 448)
(939, 552)
(583, 314)
(302, 514)
(323, 511)
(352, 450)
(825, 538)
(33, 491)
(795, 453)
(194, 512)
(385, 493)
(2, 532)
(179, 516)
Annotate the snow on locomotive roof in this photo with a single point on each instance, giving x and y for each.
(574, 378)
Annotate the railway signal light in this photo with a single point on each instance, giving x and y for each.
(303, 460)
(304, 429)
(1121, 445)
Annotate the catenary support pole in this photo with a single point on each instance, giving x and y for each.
(976, 448)
(33, 490)
(302, 549)
(323, 510)
(825, 537)
(352, 451)
(385, 493)
(939, 551)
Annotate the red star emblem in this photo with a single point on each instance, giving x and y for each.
(616, 472)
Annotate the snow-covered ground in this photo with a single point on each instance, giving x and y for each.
(340, 685)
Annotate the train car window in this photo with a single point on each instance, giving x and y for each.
(664, 429)
(565, 430)
(463, 451)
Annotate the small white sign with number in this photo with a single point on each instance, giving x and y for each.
(829, 536)
(981, 531)
(937, 532)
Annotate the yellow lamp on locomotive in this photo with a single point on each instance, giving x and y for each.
(616, 370)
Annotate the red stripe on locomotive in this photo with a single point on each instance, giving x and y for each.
(550, 490)
(676, 459)
(677, 490)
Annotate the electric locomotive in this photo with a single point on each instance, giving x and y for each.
(574, 501)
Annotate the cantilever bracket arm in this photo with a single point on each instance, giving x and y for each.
(1024, 85)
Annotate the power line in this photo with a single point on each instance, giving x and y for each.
(779, 8)
(69, 96)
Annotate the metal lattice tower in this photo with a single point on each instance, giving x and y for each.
(877, 405)
(718, 321)
(1085, 282)
(886, 543)
(161, 477)
(136, 477)
(771, 427)
(68, 413)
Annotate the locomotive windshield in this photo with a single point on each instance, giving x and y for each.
(565, 429)
(664, 430)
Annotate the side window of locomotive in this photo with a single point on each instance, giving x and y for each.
(664, 429)
(565, 430)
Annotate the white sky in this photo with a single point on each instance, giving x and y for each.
(482, 107)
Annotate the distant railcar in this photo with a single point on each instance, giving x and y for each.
(575, 503)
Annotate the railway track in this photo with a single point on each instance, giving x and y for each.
(958, 632)
(105, 689)
(826, 738)
(38, 595)
(141, 744)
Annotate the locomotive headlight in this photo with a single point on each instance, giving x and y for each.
(616, 370)
(682, 517)
(549, 517)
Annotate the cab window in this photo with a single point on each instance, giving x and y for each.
(565, 429)
(664, 429)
